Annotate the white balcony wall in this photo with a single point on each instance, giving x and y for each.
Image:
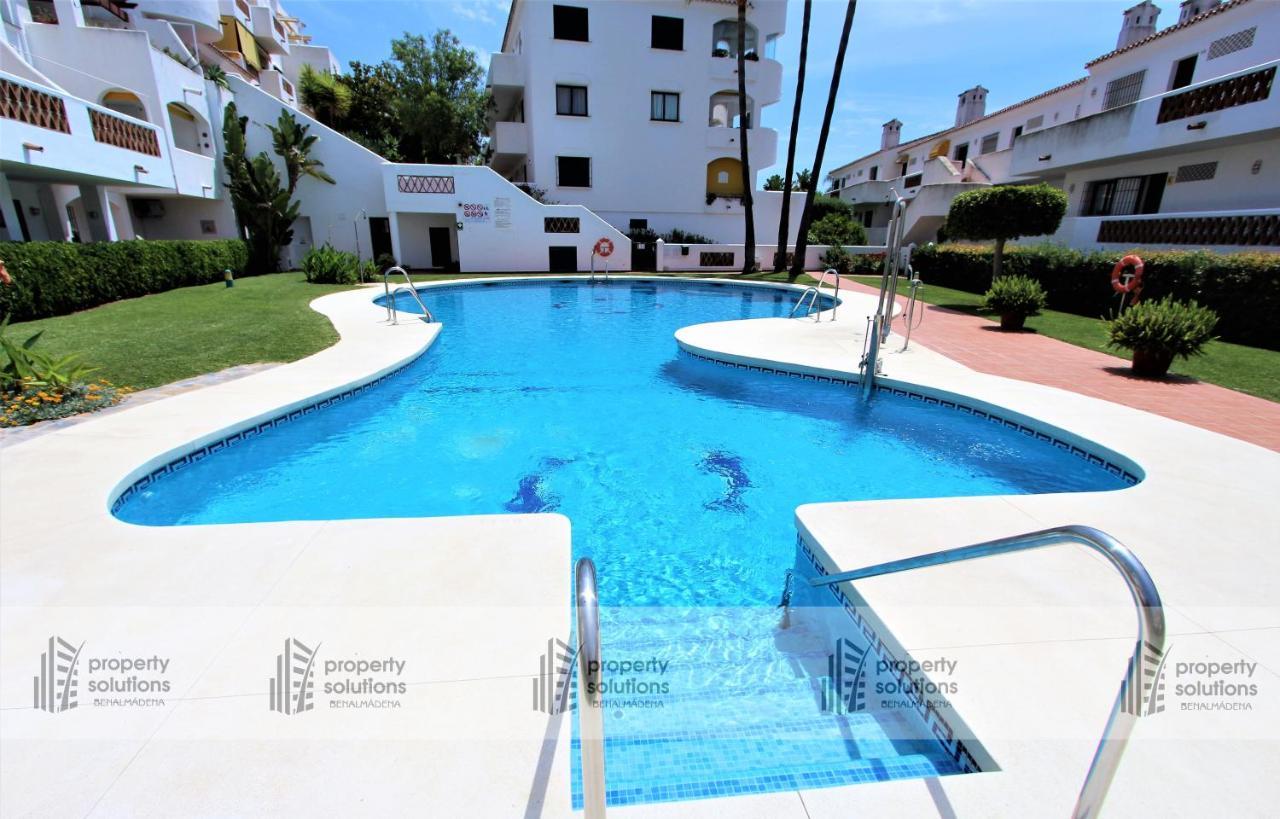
(506, 71)
(510, 139)
(203, 14)
(762, 144)
(265, 32)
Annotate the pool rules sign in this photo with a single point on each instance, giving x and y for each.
(475, 213)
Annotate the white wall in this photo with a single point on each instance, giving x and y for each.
(673, 256)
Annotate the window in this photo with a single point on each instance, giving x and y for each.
(667, 32)
(1183, 71)
(1125, 196)
(874, 173)
(990, 143)
(638, 224)
(1123, 91)
(913, 181)
(561, 224)
(571, 100)
(573, 171)
(865, 217)
(1196, 173)
(1035, 122)
(962, 152)
(569, 23)
(664, 106)
(1017, 132)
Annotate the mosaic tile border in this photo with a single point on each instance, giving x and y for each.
(1115, 469)
(942, 731)
(249, 432)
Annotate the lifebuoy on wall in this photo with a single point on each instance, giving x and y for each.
(1134, 285)
(603, 248)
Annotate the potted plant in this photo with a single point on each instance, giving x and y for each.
(1159, 331)
(1015, 298)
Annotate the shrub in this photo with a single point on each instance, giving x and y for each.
(824, 205)
(384, 261)
(55, 278)
(851, 264)
(29, 404)
(676, 236)
(324, 264)
(368, 271)
(1006, 212)
(1015, 295)
(1159, 331)
(837, 229)
(1242, 288)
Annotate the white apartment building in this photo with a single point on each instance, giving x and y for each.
(631, 109)
(1172, 139)
(109, 128)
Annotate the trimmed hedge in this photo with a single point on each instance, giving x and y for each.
(1243, 288)
(55, 278)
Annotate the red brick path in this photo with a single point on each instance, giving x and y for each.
(980, 345)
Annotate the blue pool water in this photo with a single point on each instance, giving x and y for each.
(680, 477)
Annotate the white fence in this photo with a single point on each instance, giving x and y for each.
(712, 258)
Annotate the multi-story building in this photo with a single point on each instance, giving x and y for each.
(110, 129)
(1171, 139)
(631, 109)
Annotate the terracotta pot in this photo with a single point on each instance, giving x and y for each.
(1012, 321)
(1154, 363)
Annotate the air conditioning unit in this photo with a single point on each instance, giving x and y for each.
(147, 208)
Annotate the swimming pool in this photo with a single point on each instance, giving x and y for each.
(680, 477)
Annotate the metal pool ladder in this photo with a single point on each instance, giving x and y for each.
(813, 294)
(590, 706)
(392, 312)
(1137, 688)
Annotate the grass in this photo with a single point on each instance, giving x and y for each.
(166, 337)
(1248, 369)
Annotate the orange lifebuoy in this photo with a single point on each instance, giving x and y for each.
(604, 248)
(1134, 285)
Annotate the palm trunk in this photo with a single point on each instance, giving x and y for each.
(749, 255)
(806, 216)
(780, 257)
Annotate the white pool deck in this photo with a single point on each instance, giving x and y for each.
(1040, 639)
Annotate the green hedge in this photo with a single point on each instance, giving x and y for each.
(1243, 288)
(55, 278)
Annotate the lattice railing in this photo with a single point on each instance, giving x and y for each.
(715, 258)
(1240, 90)
(561, 224)
(243, 7)
(1206, 231)
(43, 11)
(26, 104)
(411, 183)
(121, 133)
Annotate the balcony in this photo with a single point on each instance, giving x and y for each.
(505, 71)
(278, 86)
(268, 31)
(510, 144)
(51, 136)
(1237, 107)
(764, 76)
(200, 13)
(762, 143)
(238, 9)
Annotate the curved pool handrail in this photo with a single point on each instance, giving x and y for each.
(1143, 671)
(392, 312)
(590, 704)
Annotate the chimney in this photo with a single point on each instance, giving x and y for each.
(972, 105)
(1139, 24)
(890, 135)
(1194, 8)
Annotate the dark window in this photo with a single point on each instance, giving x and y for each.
(962, 152)
(668, 33)
(874, 172)
(1017, 132)
(1124, 196)
(569, 23)
(989, 144)
(1123, 91)
(573, 171)
(1183, 71)
(561, 224)
(571, 100)
(638, 224)
(913, 181)
(562, 259)
(664, 106)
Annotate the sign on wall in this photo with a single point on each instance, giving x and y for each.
(475, 213)
(502, 212)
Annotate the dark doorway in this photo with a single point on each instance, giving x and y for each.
(644, 256)
(22, 221)
(962, 152)
(1183, 71)
(380, 235)
(562, 259)
(441, 252)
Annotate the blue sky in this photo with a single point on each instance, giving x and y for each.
(907, 58)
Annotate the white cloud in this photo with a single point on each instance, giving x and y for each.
(479, 11)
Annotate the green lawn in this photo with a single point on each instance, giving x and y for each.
(166, 337)
(1247, 369)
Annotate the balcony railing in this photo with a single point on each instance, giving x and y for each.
(243, 8)
(1201, 231)
(1217, 96)
(25, 104)
(111, 7)
(121, 133)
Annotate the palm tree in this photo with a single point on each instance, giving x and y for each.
(749, 256)
(328, 97)
(780, 257)
(806, 216)
(293, 144)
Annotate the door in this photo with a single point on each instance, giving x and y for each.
(302, 241)
(962, 153)
(562, 259)
(1183, 71)
(380, 236)
(22, 221)
(441, 252)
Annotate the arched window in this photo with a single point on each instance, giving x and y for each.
(124, 102)
(723, 109)
(724, 177)
(724, 39)
(188, 130)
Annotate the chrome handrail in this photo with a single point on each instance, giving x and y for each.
(835, 275)
(592, 278)
(1144, 665)
(912, 301)
(590, 704)
(810, 293)
(392, 313)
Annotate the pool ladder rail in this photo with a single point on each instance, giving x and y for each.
(1137, 696)
(810, 299)
(604, 275)
(392, 313)
(590, 703)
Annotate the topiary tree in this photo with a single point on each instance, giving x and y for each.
(1005, 212)
(837, 229)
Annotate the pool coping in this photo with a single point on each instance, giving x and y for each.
(50, 580)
